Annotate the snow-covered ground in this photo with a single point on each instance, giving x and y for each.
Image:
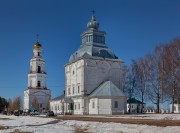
(51, 125)
(143, 116)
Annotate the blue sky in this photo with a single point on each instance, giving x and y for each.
(134, 28)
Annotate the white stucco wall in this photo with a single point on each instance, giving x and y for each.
(121, 109)
(88, 74)
(98, 71)
(33, 78)
(134, 107)
(74, 74)
(56, 106)
(93, 109)
(176, 108)
(104, 106)
(78, 105)
(43, 96)
(35, 63)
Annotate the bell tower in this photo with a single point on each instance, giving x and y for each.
(37, 95)
(37, 74)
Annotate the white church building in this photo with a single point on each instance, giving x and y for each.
(37, 90)
(92, 78)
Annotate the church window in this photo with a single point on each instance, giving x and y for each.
(94, 38)
(103, 39)
(39, 84)
(73, 72)
(93, 104)
(73, 90)
(69, 91)
(40, 105)
(115, 104)
(38, 53)
(98, 39)
(78, 89)
(88, 38)
(39, 69)
(79, 106)
(75, 106)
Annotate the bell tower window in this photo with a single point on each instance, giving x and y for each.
(39, 69)
(39, 84)
(38, 53)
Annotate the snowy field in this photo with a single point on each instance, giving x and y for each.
(51, 125)
(143, 116)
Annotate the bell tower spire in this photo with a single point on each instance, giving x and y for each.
(37, 37)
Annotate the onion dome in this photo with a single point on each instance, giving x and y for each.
(37, 45)
(93, 23)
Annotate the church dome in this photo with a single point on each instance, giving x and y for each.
(37, 45)
(93, 23)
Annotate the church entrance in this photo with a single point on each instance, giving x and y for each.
(71, 107)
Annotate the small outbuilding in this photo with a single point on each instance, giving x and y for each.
(107, 99)
(135, 106)
(176, 107)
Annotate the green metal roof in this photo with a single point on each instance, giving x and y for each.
(133, 100)
(58, 98)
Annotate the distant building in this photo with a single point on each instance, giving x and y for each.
(176, 107)
(93, 77)
(135, 106)
(37, 95)
(56, 104)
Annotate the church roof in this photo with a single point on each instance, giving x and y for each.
(107, 89)
(67, 100)
(89, 51)
(63, 98)
(93, 44)
(58, 98)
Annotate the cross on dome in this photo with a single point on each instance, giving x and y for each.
(37, 44)
(93, 24)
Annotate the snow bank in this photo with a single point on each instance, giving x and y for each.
(34, 124)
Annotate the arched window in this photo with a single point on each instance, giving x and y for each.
(39, 69)
(39, 84)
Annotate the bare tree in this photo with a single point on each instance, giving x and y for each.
(172, 69)
(130, 84)
(16, 103)
(35, 103)
(155, 77)
(141, 78)
(48, 104)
